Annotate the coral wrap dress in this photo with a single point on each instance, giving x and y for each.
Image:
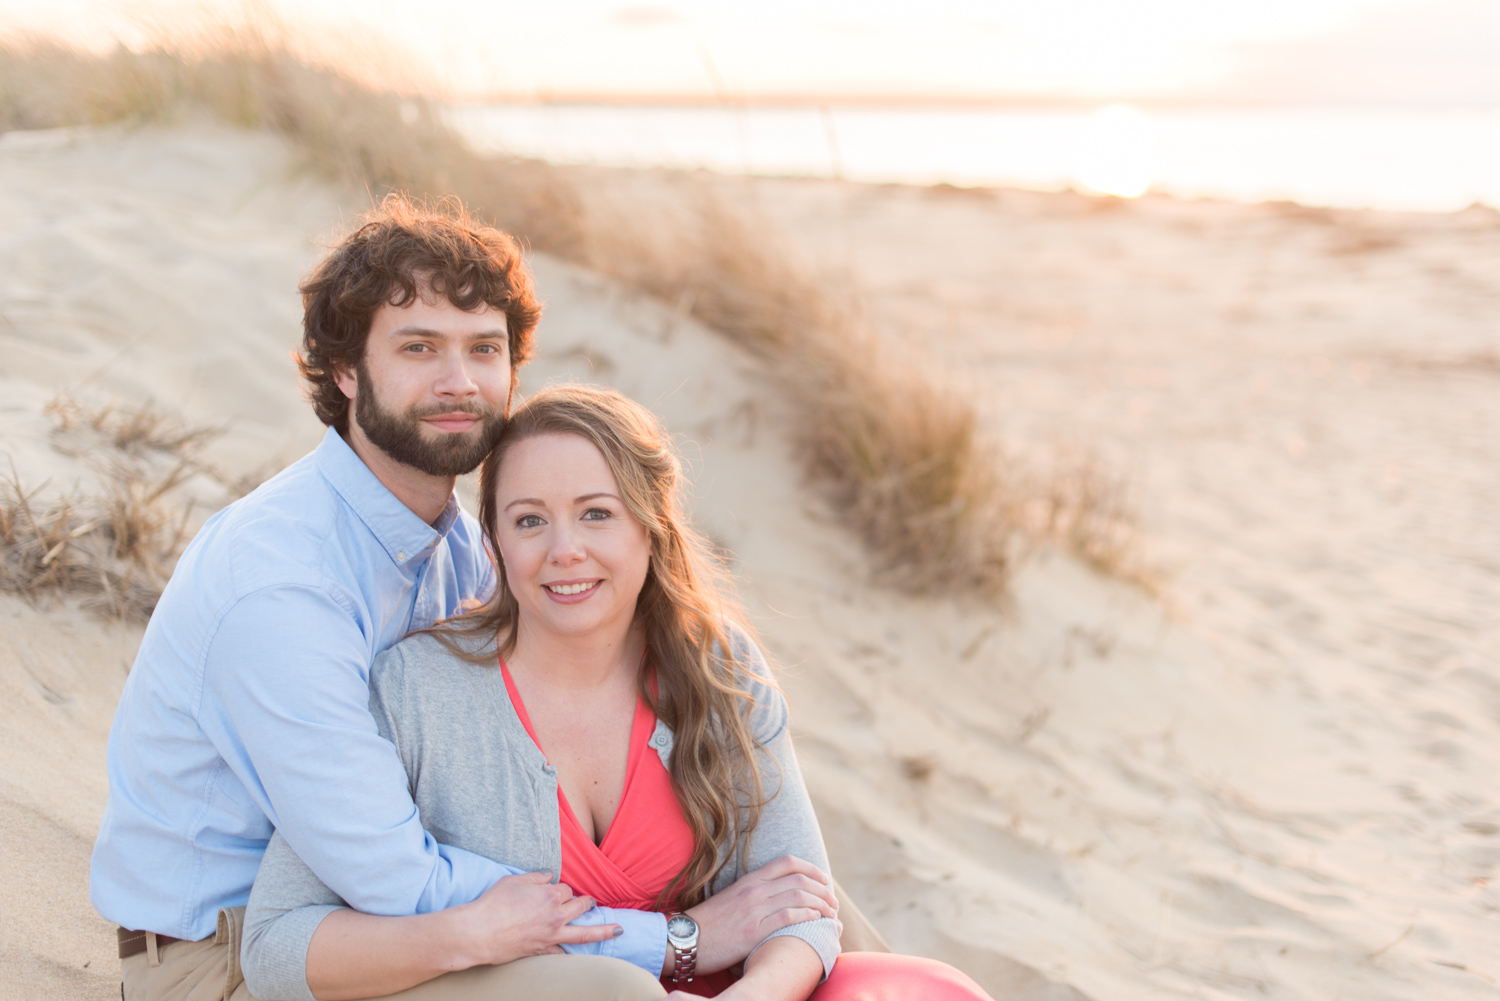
(649, 842)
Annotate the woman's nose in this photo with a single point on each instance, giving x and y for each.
(566, 546)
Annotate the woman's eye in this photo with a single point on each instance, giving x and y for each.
(528, 521)
(596, 514)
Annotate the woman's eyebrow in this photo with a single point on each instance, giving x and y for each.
(576, 500)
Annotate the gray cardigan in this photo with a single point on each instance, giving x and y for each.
(481, 784)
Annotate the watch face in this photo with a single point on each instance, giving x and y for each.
(682, 926)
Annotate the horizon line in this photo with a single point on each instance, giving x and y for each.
(892, 101)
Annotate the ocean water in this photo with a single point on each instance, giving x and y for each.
(1435, 159)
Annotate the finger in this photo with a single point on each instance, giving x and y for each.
(788, 864)
(795, 889)
(803, 901)
(800, 900)
(812, 901)
(531, 877)
(578, 935)
(805, 883)
(572, 909)
(778, 920)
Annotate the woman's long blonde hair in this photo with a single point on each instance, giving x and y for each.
(683, 610)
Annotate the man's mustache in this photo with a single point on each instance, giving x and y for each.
(472, 409)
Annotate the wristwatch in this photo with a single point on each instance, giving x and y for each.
(682, 936)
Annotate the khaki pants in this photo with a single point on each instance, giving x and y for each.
(210, 971)
(189, 971)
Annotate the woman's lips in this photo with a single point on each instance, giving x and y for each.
(573, 591)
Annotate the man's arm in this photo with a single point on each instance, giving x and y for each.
(285, 703)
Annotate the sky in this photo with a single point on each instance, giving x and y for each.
(1286, 50)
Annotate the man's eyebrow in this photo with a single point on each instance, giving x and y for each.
(416, 331)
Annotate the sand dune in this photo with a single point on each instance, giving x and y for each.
(1277, 781)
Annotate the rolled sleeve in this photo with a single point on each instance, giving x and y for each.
(822, 934)
(643, 944)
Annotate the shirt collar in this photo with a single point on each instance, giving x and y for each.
(406, 538)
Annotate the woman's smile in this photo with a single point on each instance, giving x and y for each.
(571, 592)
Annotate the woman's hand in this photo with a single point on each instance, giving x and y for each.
(525, 915)
(784, 891)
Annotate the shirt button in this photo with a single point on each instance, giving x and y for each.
(401, 556)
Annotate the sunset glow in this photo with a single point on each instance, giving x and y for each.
(1091, 49)
(1118, 153)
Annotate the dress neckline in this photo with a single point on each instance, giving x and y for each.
(640, 734)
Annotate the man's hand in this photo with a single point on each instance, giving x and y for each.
(354, 955)
(525, 916)
(784, 891)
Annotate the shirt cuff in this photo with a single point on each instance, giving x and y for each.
(643, 944)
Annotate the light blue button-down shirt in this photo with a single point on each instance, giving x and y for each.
(247, 709)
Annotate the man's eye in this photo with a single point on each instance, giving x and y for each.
(528, 521)
(487, 349)
(417, 348)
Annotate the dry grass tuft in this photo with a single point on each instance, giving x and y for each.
(116, 553)
(1085, 508)
(895, 451)
(118, 549)
(144, 428)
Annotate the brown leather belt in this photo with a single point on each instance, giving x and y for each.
(133, 943)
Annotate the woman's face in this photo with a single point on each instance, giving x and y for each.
(574, 556)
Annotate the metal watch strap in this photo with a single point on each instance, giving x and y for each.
(685, 961)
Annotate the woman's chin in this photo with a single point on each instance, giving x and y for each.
(570, 620)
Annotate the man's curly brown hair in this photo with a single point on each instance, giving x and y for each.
(403, 250)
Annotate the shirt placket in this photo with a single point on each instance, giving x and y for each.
(424, 610)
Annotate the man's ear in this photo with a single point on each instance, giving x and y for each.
(346, 378)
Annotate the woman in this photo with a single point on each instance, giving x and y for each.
(602, 719)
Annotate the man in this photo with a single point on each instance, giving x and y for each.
(247, 706)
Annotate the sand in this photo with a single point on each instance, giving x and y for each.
(1275, 779)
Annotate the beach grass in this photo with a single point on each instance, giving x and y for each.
(117, 549)
(891, 447)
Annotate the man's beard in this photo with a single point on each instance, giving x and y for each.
(399, 435)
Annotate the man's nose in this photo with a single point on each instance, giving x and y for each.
(454, 379)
